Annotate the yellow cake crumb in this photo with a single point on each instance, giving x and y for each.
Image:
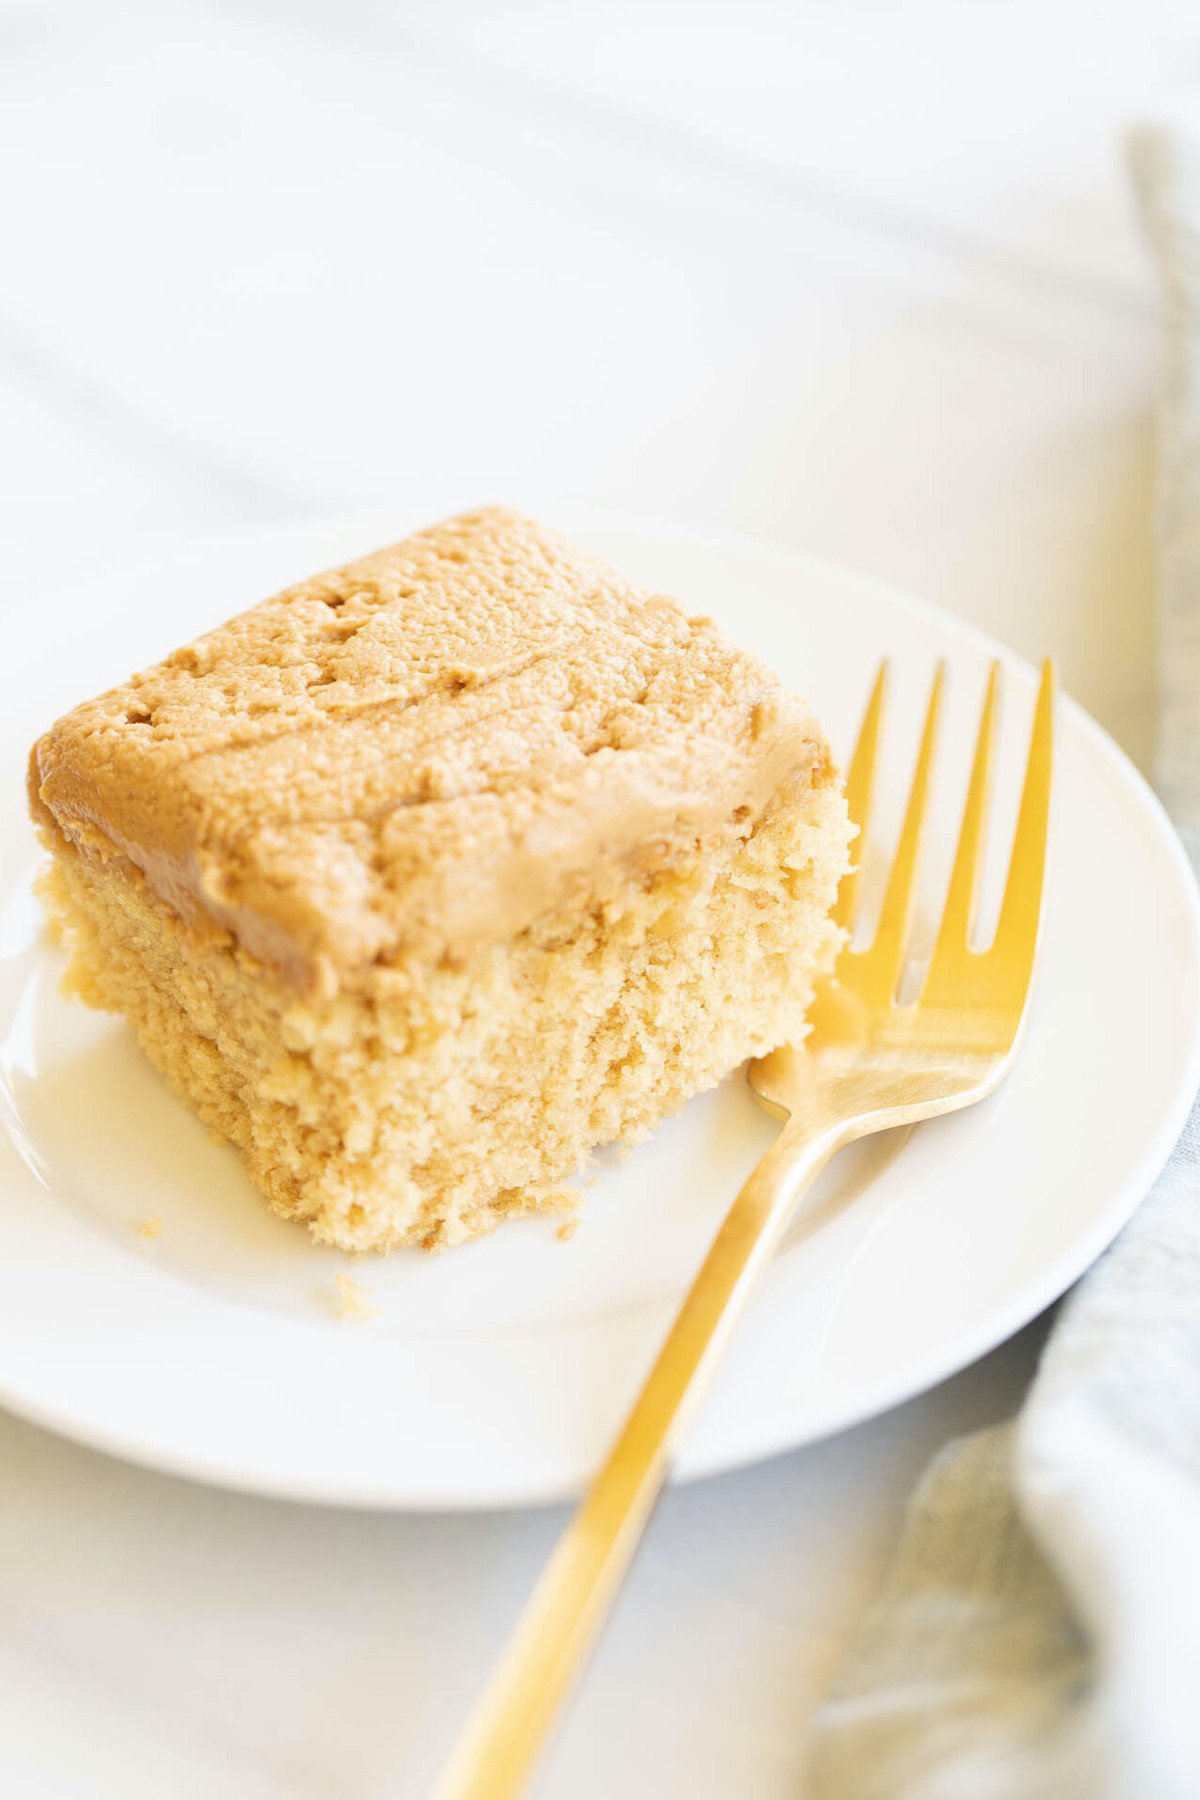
(567, 1231)
(353, 1302)
(149, 1228)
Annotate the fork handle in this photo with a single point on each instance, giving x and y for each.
(578, 1585)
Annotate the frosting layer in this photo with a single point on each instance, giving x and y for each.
(417, 754)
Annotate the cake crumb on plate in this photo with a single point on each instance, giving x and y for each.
(353, 1303)
(149, 1228)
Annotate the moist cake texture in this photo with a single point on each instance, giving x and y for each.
(432, 873)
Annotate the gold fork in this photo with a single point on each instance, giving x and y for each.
(868, 1063)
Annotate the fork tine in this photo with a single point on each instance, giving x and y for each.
(953, 936)
(1020, 911)
(860, 787)
(880, 966)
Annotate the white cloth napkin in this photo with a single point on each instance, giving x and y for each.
(1039, 1635)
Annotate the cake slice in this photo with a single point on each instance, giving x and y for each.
(433, 873)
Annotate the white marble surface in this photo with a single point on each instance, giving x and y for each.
(859, 278)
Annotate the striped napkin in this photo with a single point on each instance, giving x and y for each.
(1039, 1635)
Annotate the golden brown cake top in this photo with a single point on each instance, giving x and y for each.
(423, 751)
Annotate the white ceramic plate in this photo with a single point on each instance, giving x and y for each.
(496, 1374)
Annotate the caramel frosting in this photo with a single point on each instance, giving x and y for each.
(418, 754)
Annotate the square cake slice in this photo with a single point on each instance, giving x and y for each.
(428, 876)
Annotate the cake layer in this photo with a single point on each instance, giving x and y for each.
(400, 1112)
(415, 756)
